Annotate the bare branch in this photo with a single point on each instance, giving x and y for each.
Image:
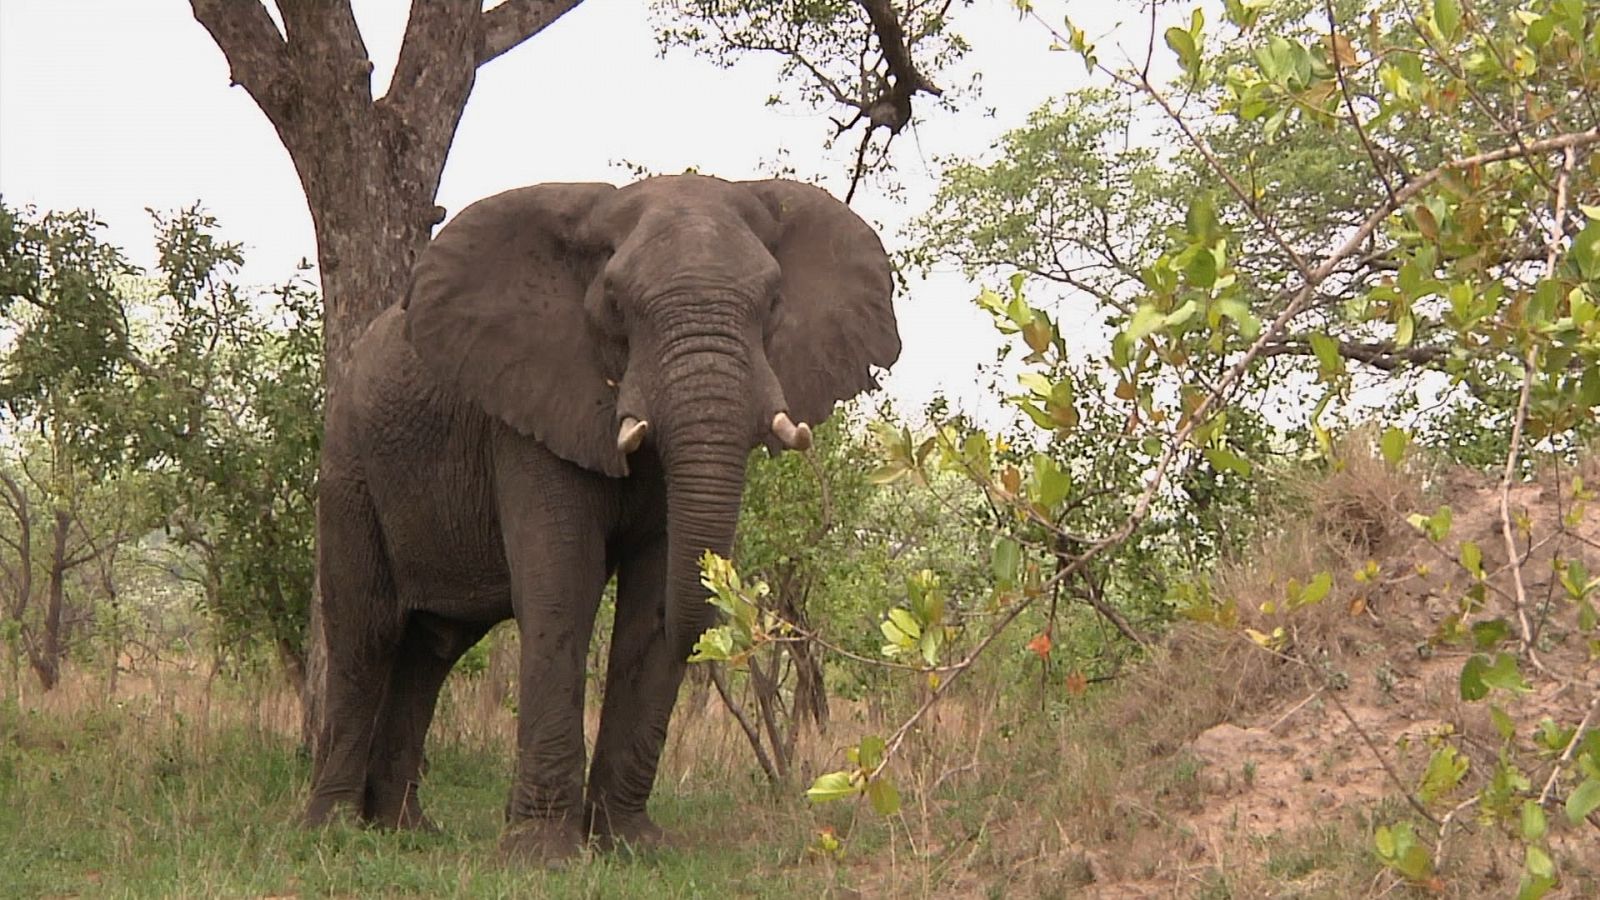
(738, 713)
(1529, 363)
(893, 110)
(1382, 355)
(1349, 102)
(514, 21)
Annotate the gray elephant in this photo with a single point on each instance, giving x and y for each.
(569, 391)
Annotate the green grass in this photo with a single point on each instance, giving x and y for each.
(107, 804)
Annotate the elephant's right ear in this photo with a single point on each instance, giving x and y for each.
(496, 309)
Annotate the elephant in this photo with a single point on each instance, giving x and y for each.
(570, 390)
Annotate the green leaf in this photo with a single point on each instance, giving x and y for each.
(1539, 864)
(1039, 416)
(1436, 526)
(1035, 382)
(903, 620)
(1473, 686)
(1200, 220)
(885, 799)
(1320, 584)
(1447, 13)
(1405, 330)
(1503, 674)
(1445, 770)
(869, 753)
(1488, 634)
(1006, 562)
(1574, 577)
(1472, 558)
(1053, 484)
(1224, 460)
(1534, 825)
(832, 786)
(1583, 800)
(1201, 270)
(1184, 313)
(1146, 320)
(715, 644)
(1329, 363)
(1182, 43)
(1586, 250)
(1399, 849)
(1393, 444)
(975, 454)
(1503, 723)
(1384, 841)
(1538, 875)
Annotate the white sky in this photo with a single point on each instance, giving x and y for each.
(116, 106)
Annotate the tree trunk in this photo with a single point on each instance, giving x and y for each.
(370, 168)
(47, 658)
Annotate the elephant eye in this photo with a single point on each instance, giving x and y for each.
(774, 310)
(772, 283)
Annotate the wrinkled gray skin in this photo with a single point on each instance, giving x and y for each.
(475, 468)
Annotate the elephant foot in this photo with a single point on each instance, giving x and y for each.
(398, 811)
(631, 831)
(331, 808)
(551, 843)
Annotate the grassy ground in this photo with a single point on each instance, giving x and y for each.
(1213, 770)
(174, 793)
(112, 803)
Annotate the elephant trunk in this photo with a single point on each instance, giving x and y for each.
(704, 442)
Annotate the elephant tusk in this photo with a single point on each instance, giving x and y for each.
(795, 437)
(631, 434)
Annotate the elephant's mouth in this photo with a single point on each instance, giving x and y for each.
(773, 420)
(632, 431)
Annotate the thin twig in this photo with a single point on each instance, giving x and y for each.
(1529, 361)
(1572, 746)
(739, 716)
(1444, 826)
(1378, 755)
(1349, 102)
(1296, 708)
(899, 736)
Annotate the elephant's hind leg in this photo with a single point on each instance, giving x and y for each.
(427, 652)
(362, 625)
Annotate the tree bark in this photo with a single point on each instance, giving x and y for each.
(21, 577)
(370, 168)
(47, 658)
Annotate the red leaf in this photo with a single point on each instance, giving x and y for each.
(1040, 644)
(1077, 684)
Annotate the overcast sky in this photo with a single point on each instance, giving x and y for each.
(117, 106)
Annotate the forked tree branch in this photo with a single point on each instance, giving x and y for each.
(445, 41)
(893, 110)
(257, 54)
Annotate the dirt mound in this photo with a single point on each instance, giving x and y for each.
(1384, 685)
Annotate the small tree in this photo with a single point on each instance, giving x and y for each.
(179, 402)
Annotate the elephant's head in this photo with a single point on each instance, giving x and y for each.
(695, 315)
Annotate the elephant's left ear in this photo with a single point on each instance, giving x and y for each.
(496, 310)
(835, 320)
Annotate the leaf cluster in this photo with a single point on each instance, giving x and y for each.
(208, 391)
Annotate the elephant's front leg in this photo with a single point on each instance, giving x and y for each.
(642, 682)
(558, 570)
